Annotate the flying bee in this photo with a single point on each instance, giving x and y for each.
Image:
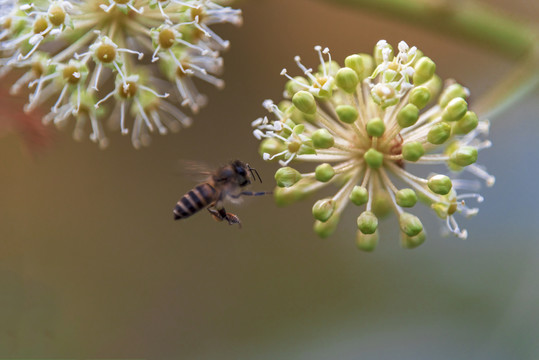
(227, 182)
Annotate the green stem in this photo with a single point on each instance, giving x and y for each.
(468, 20)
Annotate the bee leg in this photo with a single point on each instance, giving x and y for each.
(258, 193)
(221, 214)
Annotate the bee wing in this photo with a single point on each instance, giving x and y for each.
(197, 171)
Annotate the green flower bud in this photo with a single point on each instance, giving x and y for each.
(420, 96)
(331, 67)
(455, 109)
(468, 122)
(325, 229)
(367, 242)
(382, 205)
(439, 133)
(298, 129)
(323, 209)
(359, 195)
(271, 146)
(324, 172)
(378, 57)
(367, 222)
(451, 92)
(362, 64)
(424, 70)
(434, 85)
(347, 79)
(305, 102)
(373, 158)
(287, 176)
(375, 127)
(411, 242)
(464, 156)
(306, 149)
(412, 151)
(406, 198)
(410, 224)
(440, 184)
(418, 55)
(284, 196)
(347, 113)
(292, 87)
(322, 139)
(408, 115)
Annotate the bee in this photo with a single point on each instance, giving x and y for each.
(227, 182)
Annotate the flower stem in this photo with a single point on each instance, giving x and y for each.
(469, 20)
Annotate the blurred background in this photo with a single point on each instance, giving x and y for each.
(93, 266)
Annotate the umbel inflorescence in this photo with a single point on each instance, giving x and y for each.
(114, 60)
(363, 126)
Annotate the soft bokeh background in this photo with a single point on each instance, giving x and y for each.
(92, 264)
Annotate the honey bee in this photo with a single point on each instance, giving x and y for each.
(227, 182)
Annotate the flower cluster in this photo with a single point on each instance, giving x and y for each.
(364, 125)
(81, 55)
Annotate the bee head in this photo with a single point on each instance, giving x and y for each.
(241, 170)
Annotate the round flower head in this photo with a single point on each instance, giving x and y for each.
(363, 127)
(79, 54)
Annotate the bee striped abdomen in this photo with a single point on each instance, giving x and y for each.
(195, 200)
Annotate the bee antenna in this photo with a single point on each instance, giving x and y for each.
(253, 171)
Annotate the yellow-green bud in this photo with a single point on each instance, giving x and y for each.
(420, 96)
(331, 67)
(367, 222)
(410, 224)
(406, 197)
(362, 64)
(359, 195)
(468, 122)
(323, 209)
(439, 133)
(57, 15)
(440, 184)
(464, 156)
(455, 109)
(382, 204)
(375, 127)
(366, 242)
(347, 79)
(322, 139)
(378, 57)
(434, 85)
(287, 176)
(411, 242)
(325, 229)
(408, 115)
(412, 151)
(424, 70)
(271, 146)
(324, 172)
(347, 113)
(373, 158)
(451, 92)
(298, 129)
(292, 87)
(305, 102)
(306, 149)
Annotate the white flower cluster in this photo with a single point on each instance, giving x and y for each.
(80, 55)
(364, 124)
